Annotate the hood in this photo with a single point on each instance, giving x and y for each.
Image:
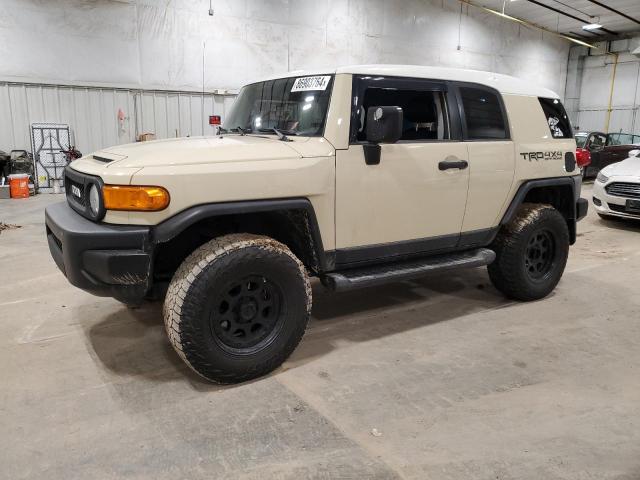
(628, 168)
(195, 150)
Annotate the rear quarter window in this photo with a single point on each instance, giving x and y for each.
(557, 119)
(483, 114)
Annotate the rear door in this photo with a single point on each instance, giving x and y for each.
(411, 202)
(491, 159)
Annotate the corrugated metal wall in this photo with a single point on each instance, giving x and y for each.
(92, 113)
(594, 93)
(596, 88)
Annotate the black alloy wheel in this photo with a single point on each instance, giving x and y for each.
(247, 313)
(539, 255)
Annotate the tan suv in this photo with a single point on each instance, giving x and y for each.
(358, 176)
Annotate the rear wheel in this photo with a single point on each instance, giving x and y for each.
(531, 253)
(237, 307)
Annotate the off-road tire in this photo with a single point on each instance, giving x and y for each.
(509, 272)
(189, 315)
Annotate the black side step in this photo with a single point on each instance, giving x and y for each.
(369, 276)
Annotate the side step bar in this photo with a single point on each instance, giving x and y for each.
(370, 276)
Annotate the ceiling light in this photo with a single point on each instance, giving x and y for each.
(579, 42)
(592, 26)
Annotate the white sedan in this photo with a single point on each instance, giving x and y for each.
(616, 190)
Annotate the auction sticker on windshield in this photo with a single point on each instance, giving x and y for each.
(306, 84)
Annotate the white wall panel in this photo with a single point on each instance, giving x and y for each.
(590, 87)
(161, 44)
(92, 113)
(6, 132)
(591, 120)
(624, 93)
(151, 58)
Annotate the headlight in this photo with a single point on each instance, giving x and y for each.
(602, 178)
(94, 200)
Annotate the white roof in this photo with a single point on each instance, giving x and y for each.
(503, 83)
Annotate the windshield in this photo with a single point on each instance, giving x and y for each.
(622, 139)
(581, 139)
(294, 106)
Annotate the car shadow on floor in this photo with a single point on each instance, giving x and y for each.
(133, 343)
(619, 223)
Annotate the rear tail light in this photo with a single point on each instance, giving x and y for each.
(583, 157)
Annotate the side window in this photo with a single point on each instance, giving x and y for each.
(424, 112)
(597, 140)
(483, 114)
(557, 118)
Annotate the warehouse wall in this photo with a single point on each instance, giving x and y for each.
(589, 87)
(173, 45)
(92, 113)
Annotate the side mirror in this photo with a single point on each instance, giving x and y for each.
(384, 124)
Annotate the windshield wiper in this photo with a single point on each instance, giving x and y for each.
(240, 130)
(282, 134)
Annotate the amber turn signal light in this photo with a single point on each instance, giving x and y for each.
(135, 198)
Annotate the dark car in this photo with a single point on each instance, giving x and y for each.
(604, 149)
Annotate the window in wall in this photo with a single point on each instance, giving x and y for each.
(557, 118)
(483, 114)
(424, 112)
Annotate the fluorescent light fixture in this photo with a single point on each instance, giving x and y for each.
(579, 42)
(522, 22)
(503, 15)
(591, 26)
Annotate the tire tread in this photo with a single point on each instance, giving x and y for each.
(505, 270)
(183, 291)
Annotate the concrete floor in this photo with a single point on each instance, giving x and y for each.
(455, 381)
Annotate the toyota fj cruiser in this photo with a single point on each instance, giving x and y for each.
(357, 176)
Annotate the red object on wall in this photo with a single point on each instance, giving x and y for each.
(214, 120)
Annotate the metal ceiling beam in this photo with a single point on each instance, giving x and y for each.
(582, 20)
(617, 12)
(576, 34)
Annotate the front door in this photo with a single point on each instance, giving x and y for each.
(413, 201)
(596, 143)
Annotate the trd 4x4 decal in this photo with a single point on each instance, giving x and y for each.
(542, 156)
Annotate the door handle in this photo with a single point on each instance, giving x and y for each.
(447, 164)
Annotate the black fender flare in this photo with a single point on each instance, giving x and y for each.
(173, 226)
(573, 182)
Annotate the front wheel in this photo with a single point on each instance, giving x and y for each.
(237, 307)
(531, 253)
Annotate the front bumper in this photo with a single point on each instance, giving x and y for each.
(582, 207)
(103, 259)
(610, 204)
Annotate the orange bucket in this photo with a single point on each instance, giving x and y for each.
(19, 185)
